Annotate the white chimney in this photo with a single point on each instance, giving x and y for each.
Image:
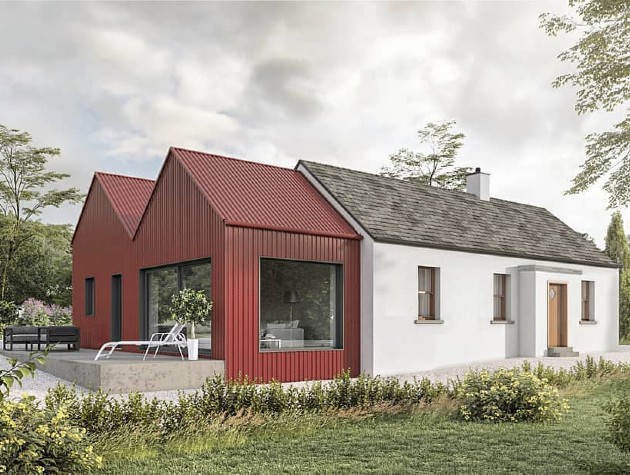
(478, 183)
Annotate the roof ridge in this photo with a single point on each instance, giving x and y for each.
(421, 185)
(119, 175)
(236, 159)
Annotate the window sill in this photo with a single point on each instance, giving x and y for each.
(501, 322)
(588, 322)
(428, 322)
(298, 350)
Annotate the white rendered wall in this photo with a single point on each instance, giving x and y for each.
(465, 302)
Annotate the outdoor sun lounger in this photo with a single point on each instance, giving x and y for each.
(174, 337)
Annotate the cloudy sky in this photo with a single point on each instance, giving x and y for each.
(115, 84)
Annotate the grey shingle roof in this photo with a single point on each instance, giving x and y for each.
(396, 211)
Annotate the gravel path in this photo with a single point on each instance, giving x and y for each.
(42, 382)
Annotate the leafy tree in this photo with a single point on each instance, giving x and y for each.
(24, 192)
(602, 79)
(616, 242)
(41, 267)
(618, 250)
(435, 168)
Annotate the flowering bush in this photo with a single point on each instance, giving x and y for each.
(619, 423)
(509, 396)
(37, 313)
(35, 440)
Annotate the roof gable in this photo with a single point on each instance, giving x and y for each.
(256, 195)
(397, 211)
(129, 197)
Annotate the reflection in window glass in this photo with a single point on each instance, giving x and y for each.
(199, 277)
(163, 283)
(161, 286)
(300, 305)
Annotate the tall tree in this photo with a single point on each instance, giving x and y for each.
(616, 241)
(602, 79)
(41, 267)
(25, 190)
(618, 250)
(436, 165)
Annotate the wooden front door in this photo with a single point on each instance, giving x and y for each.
(557, 315)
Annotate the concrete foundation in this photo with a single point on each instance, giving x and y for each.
(125, 372)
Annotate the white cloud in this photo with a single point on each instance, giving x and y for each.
(115, 84)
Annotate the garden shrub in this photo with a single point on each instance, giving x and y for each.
(8, 313)
(509, 396)
(582, 371)
(36, 440)
(37, 313)
(619, 423)
(97, 412)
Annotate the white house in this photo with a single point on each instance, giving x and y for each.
(451, 277)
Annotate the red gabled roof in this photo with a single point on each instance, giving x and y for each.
(128, 195)
(251, 194)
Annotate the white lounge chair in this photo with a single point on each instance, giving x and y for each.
(175, 337)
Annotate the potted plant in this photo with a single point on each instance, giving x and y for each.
(192, 307)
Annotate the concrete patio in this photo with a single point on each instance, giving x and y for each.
(125, 372)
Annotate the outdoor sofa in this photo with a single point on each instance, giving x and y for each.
(41, 336)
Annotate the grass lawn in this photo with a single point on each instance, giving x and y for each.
(421, 442)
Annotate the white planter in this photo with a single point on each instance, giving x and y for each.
(193, 349)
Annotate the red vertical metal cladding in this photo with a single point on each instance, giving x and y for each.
(234, 213)
(246, 357)
(104, 244)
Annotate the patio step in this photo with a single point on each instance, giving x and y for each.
(562, 352)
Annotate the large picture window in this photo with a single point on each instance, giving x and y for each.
(162, 283)
(300, 305)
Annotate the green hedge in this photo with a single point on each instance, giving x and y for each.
(99, 413)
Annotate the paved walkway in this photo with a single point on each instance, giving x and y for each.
(451, 372)
(42, 382)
